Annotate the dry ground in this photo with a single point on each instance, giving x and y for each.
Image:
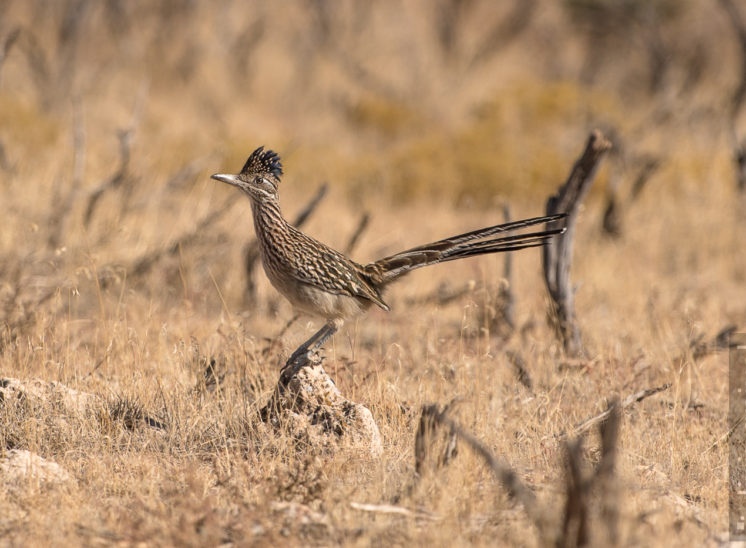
(413, 115)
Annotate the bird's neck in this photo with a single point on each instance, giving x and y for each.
(267, 216)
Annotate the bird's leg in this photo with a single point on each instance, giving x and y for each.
(332, 327)
(316, 341)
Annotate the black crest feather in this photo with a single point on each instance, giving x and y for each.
(263, 162)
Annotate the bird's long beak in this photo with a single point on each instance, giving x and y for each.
(224, 178)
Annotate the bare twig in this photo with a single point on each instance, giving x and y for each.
(612, 218)
(185, 174)
(648, 166)
(726, 437)
(629, 400)
(305, 213)
(148, 260)
(645, 166)
(519, 364)
(507, 295)
(396, 510)
(10, 39)
(510, 481)
(604, 475)
(445, 294)
(740, 160)
(738, 147)
(424, 438)
(145, 263)
(251, 250)
(575, 529)
(65, 203)
(100, 362)
(719, 342)
(116, 179)
(125, 137)
(505, 31)
(37, 61)
(355, 237)
(4, 162)
(739, 27)
(557, 254)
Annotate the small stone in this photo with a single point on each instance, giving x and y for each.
(19, 466)
(310, 405)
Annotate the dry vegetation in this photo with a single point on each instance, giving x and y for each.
(121, 266)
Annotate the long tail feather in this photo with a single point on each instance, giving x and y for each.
(469, 244)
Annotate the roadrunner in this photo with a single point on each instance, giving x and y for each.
(322, 282)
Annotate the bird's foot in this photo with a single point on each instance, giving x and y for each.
(298, 361)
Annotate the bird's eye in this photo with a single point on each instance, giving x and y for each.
(263, 182)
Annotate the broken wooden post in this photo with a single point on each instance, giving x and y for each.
(557, 254)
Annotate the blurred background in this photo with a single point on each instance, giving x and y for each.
(114, 113)
(123, 267)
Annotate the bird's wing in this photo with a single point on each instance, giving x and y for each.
(329, 270)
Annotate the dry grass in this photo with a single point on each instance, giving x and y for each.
(430, 139)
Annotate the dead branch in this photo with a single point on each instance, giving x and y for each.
(251, 250)
(355, 237)
(510, 481)
(739, 27)
(305, 213)
(557, 254)
(575, 530)
(740, 159)
(148, 260)
(721, 341)
(648, 166)
(699, 348)
(505, 31)
(444, 294)
(143, 265)
(116, 179)
(10, 39)
(64, 204)
(37, 60)
(738, 146)
(519, 364)
(125, 136)
(19, 309)
(396, 510)
(637, 397)
(185, 175)
(448, 16)
(612, 218)
(4, 162)
(507, 295)
(424, 439)
(604, 474)
(725, 438)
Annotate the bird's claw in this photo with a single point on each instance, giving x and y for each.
(297, 361)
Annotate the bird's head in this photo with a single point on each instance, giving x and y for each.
(259, 176)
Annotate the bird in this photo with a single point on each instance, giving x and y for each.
(323, 282)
